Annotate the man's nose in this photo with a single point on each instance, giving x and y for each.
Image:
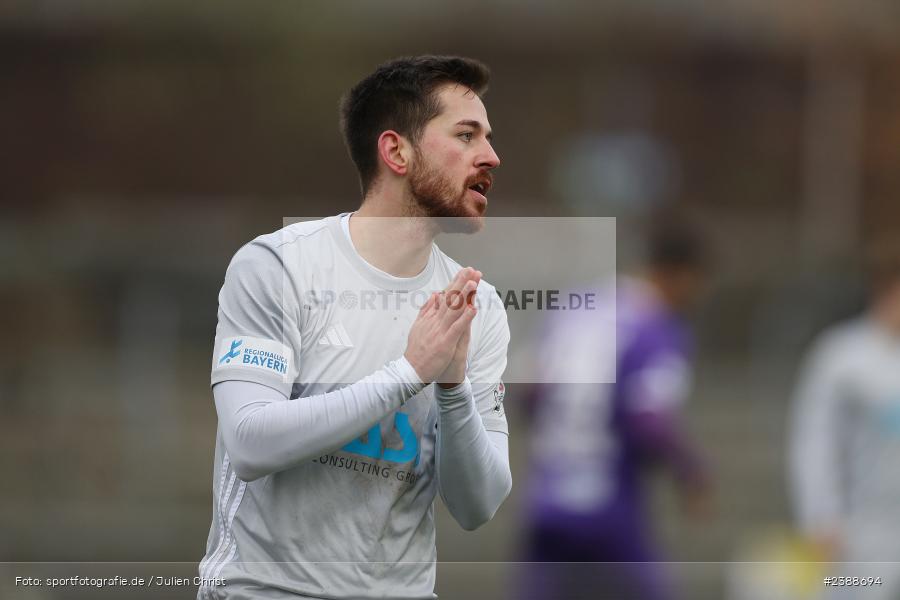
(488, 159)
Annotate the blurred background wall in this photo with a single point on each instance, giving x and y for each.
(143, 143)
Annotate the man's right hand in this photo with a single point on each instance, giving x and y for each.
(442, 321)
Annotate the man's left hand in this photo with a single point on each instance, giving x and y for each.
(457, 300)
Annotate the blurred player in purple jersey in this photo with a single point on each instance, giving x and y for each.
(591, 442)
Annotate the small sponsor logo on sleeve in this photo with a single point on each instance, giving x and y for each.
(254, 353)
(499, 394)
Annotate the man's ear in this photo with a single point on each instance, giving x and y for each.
(395, 151)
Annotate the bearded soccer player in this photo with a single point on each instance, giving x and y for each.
(345, 404)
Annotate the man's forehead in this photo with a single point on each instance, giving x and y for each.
(461, 103)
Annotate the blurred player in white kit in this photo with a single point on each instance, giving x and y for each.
(844, 467)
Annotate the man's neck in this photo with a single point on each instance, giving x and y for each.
(390, 240)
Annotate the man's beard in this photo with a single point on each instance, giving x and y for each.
(435, 196)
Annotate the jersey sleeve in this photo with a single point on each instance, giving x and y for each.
(660, 385)
(488, 362)
(655, 387)
(257, 335)
(655, 372)
(815, 447)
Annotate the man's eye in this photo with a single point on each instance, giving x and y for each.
(466, 135)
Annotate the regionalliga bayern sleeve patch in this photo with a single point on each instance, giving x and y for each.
(253, 353)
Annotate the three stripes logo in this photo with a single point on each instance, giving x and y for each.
(336, 335)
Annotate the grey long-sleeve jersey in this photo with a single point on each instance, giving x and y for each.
(300, 312)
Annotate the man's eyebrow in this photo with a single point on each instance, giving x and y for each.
(476, 125)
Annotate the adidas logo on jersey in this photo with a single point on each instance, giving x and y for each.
(336, 335)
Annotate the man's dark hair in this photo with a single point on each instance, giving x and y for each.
(400, 95)
(674, 241)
